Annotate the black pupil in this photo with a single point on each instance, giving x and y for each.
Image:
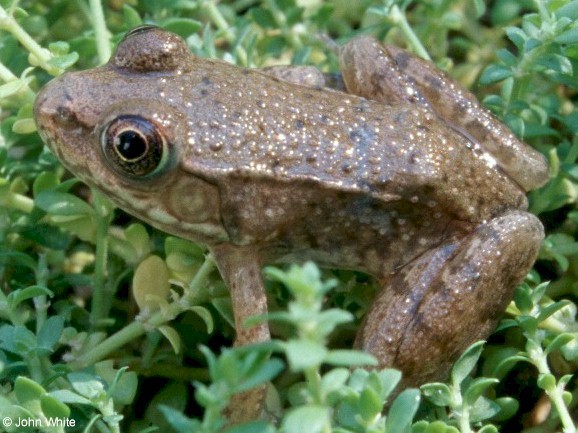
(130, 145)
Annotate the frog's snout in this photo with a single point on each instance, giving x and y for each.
(44, 112)
(51, 113)
(59, 124)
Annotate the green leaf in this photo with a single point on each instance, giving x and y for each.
(178, 420)
(50, 333)
(568, 37)
(328, 320)
(67, 396)
(564, 380)
(17, 339)
(122, 383)
(523, 299)
(559, 341)
(263, 17)
(59, 48)
(182, 26)
(53, 408)
(334, 379)
(137, 235)
(551, 309)
(517, 36)
(547, 382)
(483, 409)
(264, 373)
(21, 258)
(11, 88)
(389, 379)
(479, 8)
(438, 393)
(567, 397)
(302, 354)
(252, 427)
(65, 61)
(402, 411)
(350, 358)
(173, 337)
(206, 315)
(507, 57)
(44, 182)
(27, 390)
(488, 429)
(86, 384)
(556, 62)
(64, 204)
(508, 408)
(24, 126)
(150, 283)
(538, 292)
(369, 404)
(569, 10)
(310, 419)
(20, 295)
(131, 17)
(466, 363)
(476, 388)
(434, 427)
(178, 245)
(494, 73)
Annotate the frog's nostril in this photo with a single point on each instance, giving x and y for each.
(65, 114)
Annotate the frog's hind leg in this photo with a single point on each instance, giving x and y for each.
(433, 308)
(394, 76)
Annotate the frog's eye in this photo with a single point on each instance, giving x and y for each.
(134, 146)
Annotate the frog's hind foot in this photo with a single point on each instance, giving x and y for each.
(432, 309)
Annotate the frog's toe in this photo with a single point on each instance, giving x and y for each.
(429, 312)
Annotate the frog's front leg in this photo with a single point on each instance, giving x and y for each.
(433, 308)
(240, 267)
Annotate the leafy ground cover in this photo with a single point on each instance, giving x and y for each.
(79, 341)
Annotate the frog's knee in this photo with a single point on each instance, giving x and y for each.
(436, 306)
(512, 239)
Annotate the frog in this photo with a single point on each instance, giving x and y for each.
(389, 167)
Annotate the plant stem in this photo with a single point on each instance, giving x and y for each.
(41, 55)
(399, 19)
(138, 328)
(539, 359)
(221, 23)
(41, 303)
(219, 20)
(98, 305)
(100, 31)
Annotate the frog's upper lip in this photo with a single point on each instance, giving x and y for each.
(59, 125)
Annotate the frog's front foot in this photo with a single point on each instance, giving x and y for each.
(433, 308)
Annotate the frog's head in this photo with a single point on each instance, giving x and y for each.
(121, 129)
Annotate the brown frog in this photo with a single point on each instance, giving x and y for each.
(405, 177)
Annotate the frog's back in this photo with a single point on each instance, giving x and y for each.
(255, 126)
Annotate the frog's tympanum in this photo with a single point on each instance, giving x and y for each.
(393, 169)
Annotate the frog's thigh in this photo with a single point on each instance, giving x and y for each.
(429, 312)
